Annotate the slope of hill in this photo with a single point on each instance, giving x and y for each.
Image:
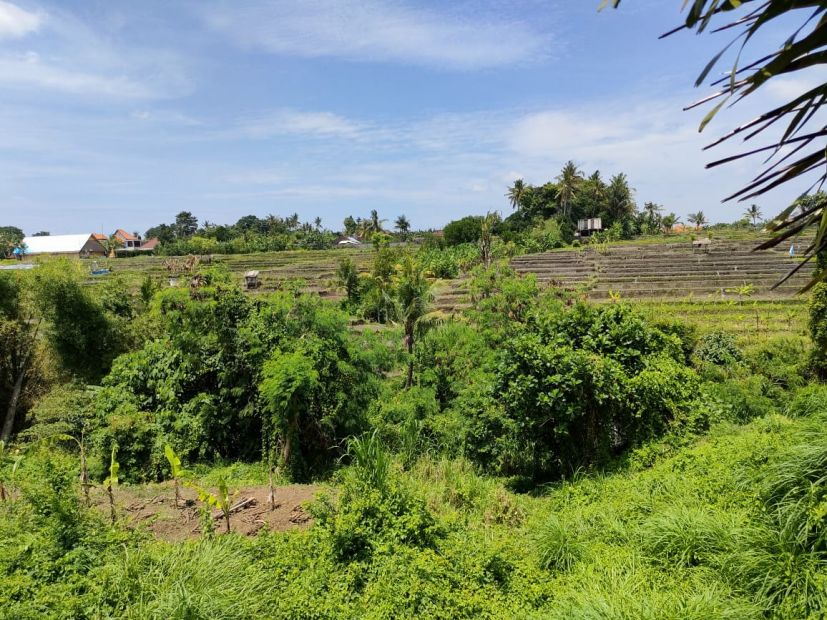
(668, 270)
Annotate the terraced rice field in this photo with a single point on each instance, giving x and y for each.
(670, 278)
(668, 271)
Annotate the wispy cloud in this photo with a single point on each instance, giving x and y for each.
(378, 31)
(296, 122)
(74, 57)
(16, 22)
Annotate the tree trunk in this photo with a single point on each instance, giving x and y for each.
(409, 343)
(11, 412)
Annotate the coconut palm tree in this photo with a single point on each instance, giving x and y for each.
(317, 223)
(754, 213)
(699, 219)
(402, 225)
(620, 204)
(413, 296)
(669, 221)
(652, 210)
(516, 193)
(568, 182)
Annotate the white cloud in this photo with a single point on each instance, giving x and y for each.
(16, 22)
(29, 70)
(377, 31)
(294, 122)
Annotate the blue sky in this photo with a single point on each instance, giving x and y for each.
(116, 113)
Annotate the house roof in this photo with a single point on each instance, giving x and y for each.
(125, 235)
(150, 244)
(100, 236)
(56, 244)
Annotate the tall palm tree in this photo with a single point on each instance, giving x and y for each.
(516, 193)
(620, 204)
(402, 225)
(568, 182)
(699, 219)
(652, 210)
(754, 213)
(375, 222)
(669, 221)
(317, 223)
(413, 296)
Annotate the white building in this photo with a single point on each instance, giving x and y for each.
(79, 245)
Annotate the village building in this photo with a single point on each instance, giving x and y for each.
(83, 246)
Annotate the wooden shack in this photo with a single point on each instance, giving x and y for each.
(703, 244)
(251, 278)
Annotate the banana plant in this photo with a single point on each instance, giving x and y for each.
(178, 472)
(221, 501)
(112, 481)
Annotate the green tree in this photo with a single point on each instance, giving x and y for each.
(652, 212)
(10, 238)
(516, 193)
(669, 221)
(287, 387)
(403, 226)
(347, 279)
(465, 230)
(19, 367)
(82, 335)
(568, 184)
(699, 219)
(350, 225)
(413, 296)
(186, 224)
(620, 204)
(754, 213)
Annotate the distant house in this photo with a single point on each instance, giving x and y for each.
(347, 241)
(150, 244)
(588, 226)
(82, 246)
(130, 243)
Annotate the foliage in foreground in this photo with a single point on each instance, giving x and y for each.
(731, 527)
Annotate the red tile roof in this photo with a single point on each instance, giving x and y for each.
(150, 244)
(125, 235)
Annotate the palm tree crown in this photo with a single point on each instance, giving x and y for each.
(516, 193)
(754, 213)
(568, 182)
(699, 219)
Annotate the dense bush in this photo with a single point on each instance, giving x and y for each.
(196, 385)
(718, 348)
(465, 230)
(818, 329)
(579, 386)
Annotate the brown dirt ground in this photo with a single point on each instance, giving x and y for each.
(153, 507)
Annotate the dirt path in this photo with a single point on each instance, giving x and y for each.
(153, 507)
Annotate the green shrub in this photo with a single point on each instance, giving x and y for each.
(740, 400)
(687, 536)
(808, 401)
(818, 329)
(557, 543)
(782, 360)
(465, 230)
(718, 348)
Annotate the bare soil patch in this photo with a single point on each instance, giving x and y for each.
(153, 507)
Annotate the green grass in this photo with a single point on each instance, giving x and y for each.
(750, 322)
